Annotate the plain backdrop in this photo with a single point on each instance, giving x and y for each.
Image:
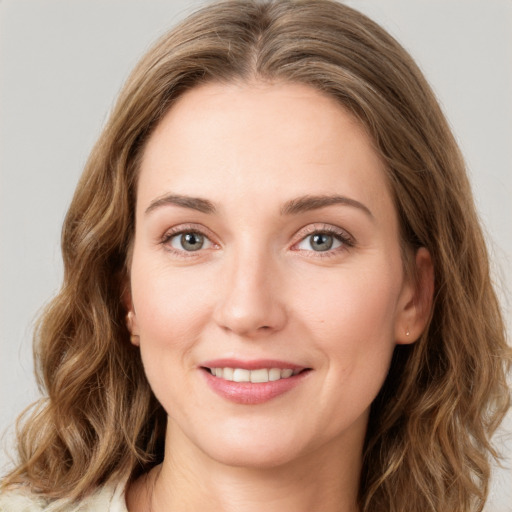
(62, 64)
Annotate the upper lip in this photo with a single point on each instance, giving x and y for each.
(254, 364)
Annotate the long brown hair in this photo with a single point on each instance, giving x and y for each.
(429, 438)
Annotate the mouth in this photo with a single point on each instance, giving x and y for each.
(259, 375)
(252, 382)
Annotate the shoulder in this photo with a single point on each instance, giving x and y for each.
(105, 499)
(19, 500)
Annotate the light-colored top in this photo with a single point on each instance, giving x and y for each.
(106, 499)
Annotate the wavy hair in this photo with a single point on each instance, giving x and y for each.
(428, 445)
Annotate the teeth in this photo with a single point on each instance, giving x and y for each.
(274, 374)
(239, 375)
(226, 373)
(257, 376)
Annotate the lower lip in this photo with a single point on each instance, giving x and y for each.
(251, 393)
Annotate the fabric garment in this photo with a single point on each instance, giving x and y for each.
(106, 499)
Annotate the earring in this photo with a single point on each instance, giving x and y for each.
(407, 333)
(129, 319)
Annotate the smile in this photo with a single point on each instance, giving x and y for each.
(259, 375)
(252, 382)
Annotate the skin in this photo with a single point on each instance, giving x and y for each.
(258, 290)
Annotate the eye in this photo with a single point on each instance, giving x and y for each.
(323, 240)
(320, 242)
(189, 241)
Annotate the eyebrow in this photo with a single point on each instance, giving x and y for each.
(194, 203)
(292, 207)
(309, 203)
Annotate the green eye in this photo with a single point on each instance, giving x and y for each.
(189, 242)
(319, 242)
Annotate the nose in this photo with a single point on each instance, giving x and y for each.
(251, 301)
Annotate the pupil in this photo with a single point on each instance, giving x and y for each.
(192, 241)
(322, 242)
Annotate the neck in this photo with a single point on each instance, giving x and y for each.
(189, 480)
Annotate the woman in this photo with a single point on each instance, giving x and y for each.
(276, 289)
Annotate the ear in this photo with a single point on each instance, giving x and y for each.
(415, 304)
(131, 317)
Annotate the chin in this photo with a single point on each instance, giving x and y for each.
(257, 448)
(255, 456)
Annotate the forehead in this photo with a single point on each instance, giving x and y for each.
(248, 139)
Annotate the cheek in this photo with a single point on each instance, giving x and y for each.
(171, 314)
(352, 320)
(354, 329)
(352, 305)
(169, 303)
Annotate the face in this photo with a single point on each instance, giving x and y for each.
(267, 286)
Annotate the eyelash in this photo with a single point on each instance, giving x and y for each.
(182, 230)
(346, 240)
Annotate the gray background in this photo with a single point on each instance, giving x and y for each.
(63, 62)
